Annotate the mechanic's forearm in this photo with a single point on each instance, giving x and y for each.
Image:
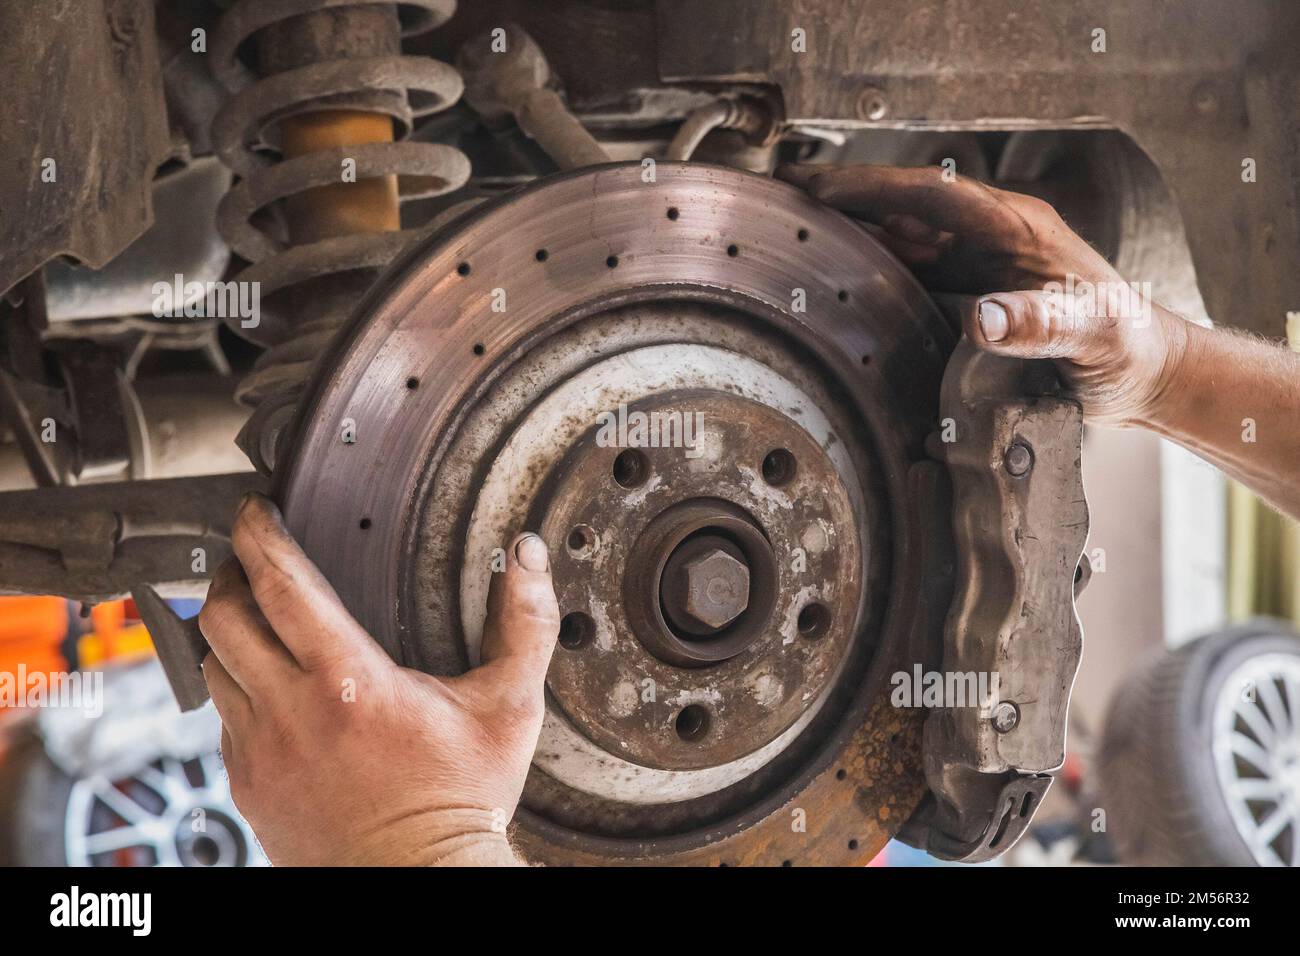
(1235, 401)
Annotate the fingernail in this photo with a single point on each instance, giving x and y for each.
(265, 506)
(993, 321)
(255, 498)
(531, 553)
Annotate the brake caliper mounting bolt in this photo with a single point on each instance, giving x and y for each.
(1018, 459)
(1005, 717)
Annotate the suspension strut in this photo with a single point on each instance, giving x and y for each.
(321, 100)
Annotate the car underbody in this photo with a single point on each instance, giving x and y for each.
(489, 244)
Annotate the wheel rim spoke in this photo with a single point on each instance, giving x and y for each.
(121, 804)
(1272, 825)
(1254, 718)
(1251, 752)
(1258, 788)
(161, 783)
(119, 838)
(1292, 685)
(1266, 693)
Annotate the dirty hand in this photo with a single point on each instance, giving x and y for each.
(1019, 260)
(335, 754)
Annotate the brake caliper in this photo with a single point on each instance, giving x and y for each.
(1020, 521)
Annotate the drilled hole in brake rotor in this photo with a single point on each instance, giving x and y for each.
(581, 541)
(779, 467)
(631, 468)
(692, 722)
(577, 630)
(813, 621)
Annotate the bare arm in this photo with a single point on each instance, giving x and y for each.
(1235, 401)
(1230, 398)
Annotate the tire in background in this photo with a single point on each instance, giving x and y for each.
(33, 806)
(1164, 803)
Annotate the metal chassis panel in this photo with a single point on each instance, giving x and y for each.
(1200, 85)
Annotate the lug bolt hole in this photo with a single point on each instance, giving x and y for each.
(692, 722)
(813, 621)
(631, 468)
(581, 541)
(779, 467)
(577, 630)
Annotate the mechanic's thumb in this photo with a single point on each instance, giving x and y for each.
(523, 618)
(1030, 324)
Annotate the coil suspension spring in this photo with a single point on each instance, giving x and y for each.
(321, 100)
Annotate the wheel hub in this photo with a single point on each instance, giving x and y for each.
(750, 677)
(220, 843)
(709, 395)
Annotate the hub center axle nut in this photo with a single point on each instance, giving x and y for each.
(710, 590)
(701, 585)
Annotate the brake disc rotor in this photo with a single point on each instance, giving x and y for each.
(709, 395)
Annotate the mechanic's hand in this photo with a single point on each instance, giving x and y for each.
(1019, 259)
(335, 754)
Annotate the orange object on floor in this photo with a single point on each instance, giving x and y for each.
(112, 637)
(31, 630)
(34, 629)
